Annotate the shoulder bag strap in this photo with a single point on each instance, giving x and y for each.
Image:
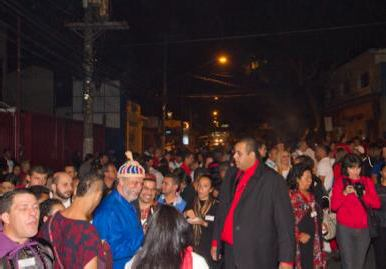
(52, 241)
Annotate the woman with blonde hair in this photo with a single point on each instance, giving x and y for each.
(283, 162)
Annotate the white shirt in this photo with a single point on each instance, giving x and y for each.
(198, 262)
(324, 169)
(158, 177)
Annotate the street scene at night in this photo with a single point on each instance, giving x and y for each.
(192, 134)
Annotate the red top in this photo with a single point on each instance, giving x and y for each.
(349, 209)
(186, 169)
(337, 168)
(227, 232)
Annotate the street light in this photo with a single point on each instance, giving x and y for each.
(215, 113)
(222, 59)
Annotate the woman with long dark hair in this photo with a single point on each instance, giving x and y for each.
(167, 244)
(352, 195)
(309, 243)
(201, 214)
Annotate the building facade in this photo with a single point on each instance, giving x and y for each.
(355, 96)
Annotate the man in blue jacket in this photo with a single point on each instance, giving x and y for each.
(116, 218)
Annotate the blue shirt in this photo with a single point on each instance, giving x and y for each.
(117, 222)
(179, 203)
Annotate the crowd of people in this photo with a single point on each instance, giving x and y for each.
(253, 205)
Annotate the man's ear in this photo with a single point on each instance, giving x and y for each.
(53, 187)
(5, 217)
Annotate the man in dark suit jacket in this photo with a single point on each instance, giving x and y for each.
(254, 226)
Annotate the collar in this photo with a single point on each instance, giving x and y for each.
(251, 170)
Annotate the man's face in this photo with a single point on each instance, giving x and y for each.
(63, 188)
(319, 153)
(21, 222)
(104, 160)
(189, 160)
(16, 170)
(263, 151)
(148, 192)
(110, 175)
(168, 186)
(273, 154)
(6, 186)
(243, 158)
(37, 179)
(131, 187)
(70, 170)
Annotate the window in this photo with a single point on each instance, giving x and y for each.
(364, 80)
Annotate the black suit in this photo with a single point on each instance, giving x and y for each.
(263, 226)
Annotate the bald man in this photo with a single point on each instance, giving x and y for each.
(62, 188)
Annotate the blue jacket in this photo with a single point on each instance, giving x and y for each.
(117, 222)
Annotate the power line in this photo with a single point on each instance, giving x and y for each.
(49, 31)
(249, 36)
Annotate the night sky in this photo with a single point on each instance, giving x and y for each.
(295, 43)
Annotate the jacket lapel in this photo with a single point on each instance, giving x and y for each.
(252, 183)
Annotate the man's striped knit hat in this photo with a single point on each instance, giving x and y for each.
(131, 168)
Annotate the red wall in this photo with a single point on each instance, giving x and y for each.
(47, 140)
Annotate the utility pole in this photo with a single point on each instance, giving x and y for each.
(164, 93)
(18, 91)
(95, 22)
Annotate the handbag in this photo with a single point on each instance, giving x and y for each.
(372, 220)
(329, 224)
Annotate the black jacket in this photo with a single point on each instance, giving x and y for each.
(263, 227)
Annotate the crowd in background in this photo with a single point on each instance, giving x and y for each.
(159, 208)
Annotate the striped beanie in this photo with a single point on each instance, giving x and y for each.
(131, 168)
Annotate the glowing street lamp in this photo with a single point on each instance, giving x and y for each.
(222, 59)
(215, 113)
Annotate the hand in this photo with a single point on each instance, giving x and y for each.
(349, 189)
(213, 253)
(285, 266)
(304, 238)
(197, 221)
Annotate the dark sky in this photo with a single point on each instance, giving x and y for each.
(296, 43)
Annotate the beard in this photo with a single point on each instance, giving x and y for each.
(130, 195)
(63, 195)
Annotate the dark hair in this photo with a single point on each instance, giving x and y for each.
(7, 199)
(350, 160)
(251, 145)
(168, 236)
(87, 181)
(325, 148)
(296, 173)
(306, 160)
(186, 154)
(46, 207)
(175, 177)
(107, 165)
(38, 169)
(199, 172)
(39, 190)
(182, 176)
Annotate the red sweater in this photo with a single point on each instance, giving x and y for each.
(349, 209)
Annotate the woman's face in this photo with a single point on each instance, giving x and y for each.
(383, 173)
(305, 181)
(285, 158)
(204, 188)
(354, 172)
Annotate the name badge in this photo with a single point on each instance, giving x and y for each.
(26, 262)
(209, 218)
